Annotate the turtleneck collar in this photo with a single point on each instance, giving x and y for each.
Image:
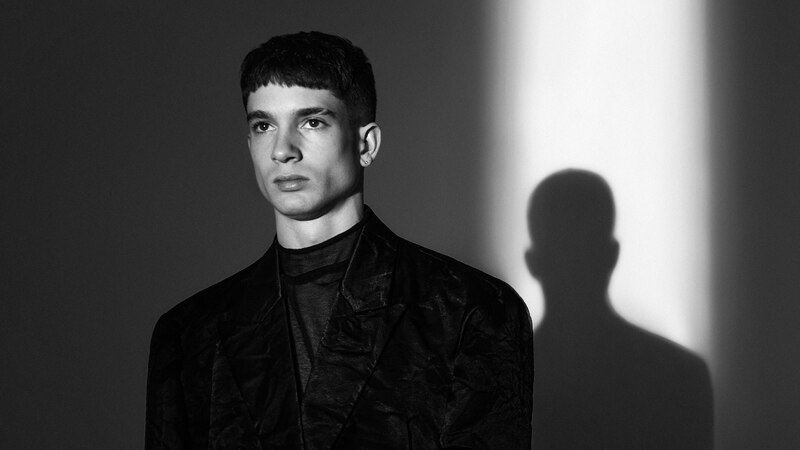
(319, 257)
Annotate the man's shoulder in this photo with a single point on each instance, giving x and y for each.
(444, 275)
(434, 271)
(439, 264)
(207, 303)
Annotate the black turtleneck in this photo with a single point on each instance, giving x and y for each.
(311, 278)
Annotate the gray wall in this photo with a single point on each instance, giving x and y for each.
(756, 209)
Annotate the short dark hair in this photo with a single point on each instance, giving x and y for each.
(317, 61)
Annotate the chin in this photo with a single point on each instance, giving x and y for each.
(302, 215)
(298, 210)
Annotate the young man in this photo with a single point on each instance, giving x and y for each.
(342, 335)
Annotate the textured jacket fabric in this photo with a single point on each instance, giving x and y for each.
(420, 352)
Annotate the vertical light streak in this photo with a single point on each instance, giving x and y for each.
(616, 87)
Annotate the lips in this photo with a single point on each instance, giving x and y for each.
(290, 183)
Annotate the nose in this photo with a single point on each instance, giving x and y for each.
(285, 147)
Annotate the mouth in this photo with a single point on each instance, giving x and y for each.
(290, 183)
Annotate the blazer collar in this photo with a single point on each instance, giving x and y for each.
(365, 286)
(367, 281)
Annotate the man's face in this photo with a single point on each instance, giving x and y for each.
(304, 150)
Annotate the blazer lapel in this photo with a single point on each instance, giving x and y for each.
(360, 325)
(254, 389)
(230, 422)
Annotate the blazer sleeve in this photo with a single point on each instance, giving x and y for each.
(490, 403)
(166, 422)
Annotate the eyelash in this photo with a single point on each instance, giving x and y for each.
(255, 126)
(319, 122)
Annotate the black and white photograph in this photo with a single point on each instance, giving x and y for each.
(452, 224)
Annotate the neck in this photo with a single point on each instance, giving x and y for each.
(576, 305)
(296, 234)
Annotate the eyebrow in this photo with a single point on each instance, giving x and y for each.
(318, 111)
(313, 111)
(257, 114)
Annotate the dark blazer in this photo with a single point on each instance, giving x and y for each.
(420, 352)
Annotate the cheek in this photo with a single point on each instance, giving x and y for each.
(347, 169)
(261, 162)
(259, 148)
(261, 169)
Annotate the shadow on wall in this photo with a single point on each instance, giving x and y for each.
(602, 382)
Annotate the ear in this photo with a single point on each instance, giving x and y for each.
(369, 141)
(533, 263)
(613, 254)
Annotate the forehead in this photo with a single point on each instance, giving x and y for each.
(279, 99)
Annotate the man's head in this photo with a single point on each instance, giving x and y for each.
(310, 104)
(318, 61)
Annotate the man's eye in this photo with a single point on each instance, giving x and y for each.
(260, 127)
(313, 123)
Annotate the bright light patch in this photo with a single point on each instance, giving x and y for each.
(616, 87)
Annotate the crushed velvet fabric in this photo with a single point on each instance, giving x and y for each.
(420, 352)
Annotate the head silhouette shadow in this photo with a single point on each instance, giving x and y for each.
(601, 382)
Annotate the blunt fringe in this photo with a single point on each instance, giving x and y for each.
(313, 60)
